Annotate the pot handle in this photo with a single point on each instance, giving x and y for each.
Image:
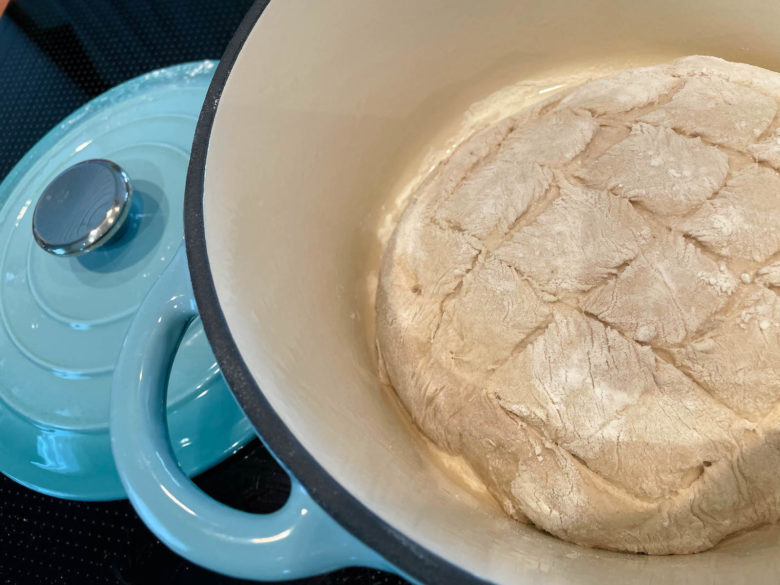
(300, 540)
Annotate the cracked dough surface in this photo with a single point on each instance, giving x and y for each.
(581, 301)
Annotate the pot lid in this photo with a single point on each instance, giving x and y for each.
(81, 242)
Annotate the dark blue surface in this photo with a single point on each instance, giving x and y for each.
(54, 56)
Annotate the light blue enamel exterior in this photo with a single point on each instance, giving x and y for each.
(297, 541)
(63, 320)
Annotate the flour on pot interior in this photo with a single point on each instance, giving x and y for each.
(580, 302)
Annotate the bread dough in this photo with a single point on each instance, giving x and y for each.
(581, 301)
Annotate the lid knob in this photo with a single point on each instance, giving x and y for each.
(83, 208)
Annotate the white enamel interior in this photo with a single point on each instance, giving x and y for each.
(328, 111)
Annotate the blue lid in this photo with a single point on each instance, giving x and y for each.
(64, 318)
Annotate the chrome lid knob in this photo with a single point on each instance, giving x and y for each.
(83, 208)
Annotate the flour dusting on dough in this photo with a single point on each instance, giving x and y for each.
(578, 304)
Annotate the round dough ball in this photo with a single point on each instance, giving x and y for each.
(580, 301)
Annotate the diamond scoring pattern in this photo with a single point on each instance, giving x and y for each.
(647, 257)
(698, 183)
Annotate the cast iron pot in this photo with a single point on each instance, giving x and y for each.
(319, 113)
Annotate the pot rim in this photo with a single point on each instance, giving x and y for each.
(397, 548)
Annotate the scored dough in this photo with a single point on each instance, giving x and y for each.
(581, 301)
